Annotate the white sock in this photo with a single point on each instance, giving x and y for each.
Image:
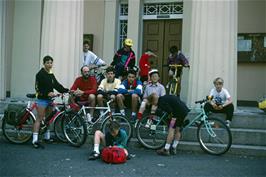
(47, 135)
(167, 146)
(133, 114)
(175, 143)
(122, 111)
(96, 148)
(34, 137)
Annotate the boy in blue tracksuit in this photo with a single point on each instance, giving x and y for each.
(129, 91)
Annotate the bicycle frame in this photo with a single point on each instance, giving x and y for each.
(103, 116)
(175, 78)
(31, 107)
(201, 116)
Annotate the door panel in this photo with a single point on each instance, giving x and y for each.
(172, 36)
(159, 36)
(153, 39)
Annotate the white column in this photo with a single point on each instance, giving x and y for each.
(110, 30)
(62, 34)
(3, 7)
(133, 28)
(212, 46)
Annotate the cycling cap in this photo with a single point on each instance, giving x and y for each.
(128, 42)
(153, 71)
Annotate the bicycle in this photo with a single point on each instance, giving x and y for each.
(21, 131)
(174, 85)
(77, 128)
(213, 135)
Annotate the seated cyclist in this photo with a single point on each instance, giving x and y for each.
(114, 137)
(178, 109)
(153, 89)
(130, 91)
(108, 87)
(84, 89)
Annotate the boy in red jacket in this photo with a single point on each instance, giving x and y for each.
(145, 65)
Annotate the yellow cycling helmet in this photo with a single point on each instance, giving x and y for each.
(128, 42)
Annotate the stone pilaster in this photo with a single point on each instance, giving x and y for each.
(3, 7)
(62, 37)
(134, 22)
(110, 29)
(211, 45)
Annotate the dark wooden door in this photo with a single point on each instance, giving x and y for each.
(159, 36)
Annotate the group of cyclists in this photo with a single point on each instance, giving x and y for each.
(122, 84)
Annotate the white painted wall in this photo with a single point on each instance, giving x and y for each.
(26, 47)
(94, 23)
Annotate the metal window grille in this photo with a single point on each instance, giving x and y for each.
(163, 8)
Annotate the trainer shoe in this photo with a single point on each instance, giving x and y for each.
(49, 141)
(94, 155)
(37, 145)
(163, 152)
(173, 151)
(228, 123)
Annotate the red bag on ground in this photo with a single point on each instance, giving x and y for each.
(113, 155)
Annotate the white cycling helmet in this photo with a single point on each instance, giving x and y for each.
(153, 71)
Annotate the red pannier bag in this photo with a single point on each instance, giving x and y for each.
(114, 155)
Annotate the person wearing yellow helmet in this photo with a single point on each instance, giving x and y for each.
(124, 59)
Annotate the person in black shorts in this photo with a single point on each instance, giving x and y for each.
(178, 109)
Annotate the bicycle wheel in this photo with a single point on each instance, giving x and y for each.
(152, 134)
(214, 136)
(122, 120)
(75, 130)
(18, 133)
(58, 126)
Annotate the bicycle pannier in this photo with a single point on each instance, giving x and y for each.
(13, 113)
(114, 155)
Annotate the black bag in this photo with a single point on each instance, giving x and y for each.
(14, 113)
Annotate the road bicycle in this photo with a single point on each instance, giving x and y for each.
(21, 131)
(213, 135)
(77, 127)
(173, 87)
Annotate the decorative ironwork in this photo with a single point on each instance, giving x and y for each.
(163, 8)
(123, 32)
(123, 9)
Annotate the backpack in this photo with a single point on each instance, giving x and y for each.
(14, 113)
(114, 155)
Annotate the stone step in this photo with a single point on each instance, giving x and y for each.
(239, 136)
(242, 120)
(245, 150)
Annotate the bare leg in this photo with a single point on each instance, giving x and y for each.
(134, 102)
(100, 100)
(92, 103)
(120, 101)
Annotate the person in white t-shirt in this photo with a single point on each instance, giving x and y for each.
(89, 58)
(221, 101)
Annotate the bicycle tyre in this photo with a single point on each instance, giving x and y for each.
(21, 133)
(124, 124)
(58, 127)
(152, 137)
(75, 130)
(219, 142)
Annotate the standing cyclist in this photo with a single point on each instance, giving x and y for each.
(124, 59)
(89, 58)
(178, 109)
(45, 84)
